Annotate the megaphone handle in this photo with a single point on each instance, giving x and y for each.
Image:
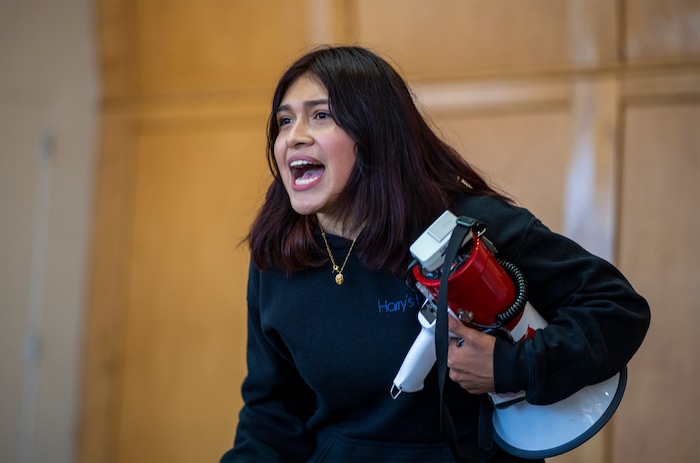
(418, 361)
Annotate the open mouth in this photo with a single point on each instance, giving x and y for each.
(305, 172)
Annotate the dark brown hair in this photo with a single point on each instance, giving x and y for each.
(404, 176)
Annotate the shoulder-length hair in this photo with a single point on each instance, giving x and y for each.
(404, 176)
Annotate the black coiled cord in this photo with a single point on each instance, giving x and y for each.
(521, 298)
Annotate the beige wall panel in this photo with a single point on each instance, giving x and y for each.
(115, 31)
(662, 30)
(518, 134)
(667, 82)
(109, 28)
(659, 419)
(106, 295)
(435, 39)
(197, 186)
(526, 154)
(216, 45)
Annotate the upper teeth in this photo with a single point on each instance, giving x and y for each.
(300, 163)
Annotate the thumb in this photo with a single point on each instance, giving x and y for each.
(455, 326)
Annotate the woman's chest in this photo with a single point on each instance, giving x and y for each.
(350, 338)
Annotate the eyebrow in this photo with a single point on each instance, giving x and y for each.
(307, 104)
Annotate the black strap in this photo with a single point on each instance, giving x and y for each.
(462, 228)
(441, 332)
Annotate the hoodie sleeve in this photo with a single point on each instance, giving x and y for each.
(597, 321)
(277, 402)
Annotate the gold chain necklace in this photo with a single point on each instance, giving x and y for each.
(339, 278)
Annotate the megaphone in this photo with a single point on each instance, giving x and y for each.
(491, 295)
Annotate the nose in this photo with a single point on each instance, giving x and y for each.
(299, 134)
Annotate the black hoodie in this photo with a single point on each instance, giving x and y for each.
(322, 357)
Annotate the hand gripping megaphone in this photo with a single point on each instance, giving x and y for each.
(491, 295)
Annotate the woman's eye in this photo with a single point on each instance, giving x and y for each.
(284, 121)
(323, 115)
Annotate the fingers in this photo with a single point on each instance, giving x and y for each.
(470, 357)
(470, 360)
(460, 330)
(455, 326)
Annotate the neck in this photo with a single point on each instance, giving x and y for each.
(335, 227)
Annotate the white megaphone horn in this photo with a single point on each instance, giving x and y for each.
(491, 295)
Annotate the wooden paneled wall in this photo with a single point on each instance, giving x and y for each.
(586, 111)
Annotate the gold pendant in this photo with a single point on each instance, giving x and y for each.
(339, 278)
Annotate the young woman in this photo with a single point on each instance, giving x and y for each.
(358, 175)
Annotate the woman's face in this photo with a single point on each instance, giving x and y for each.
(315, 157)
